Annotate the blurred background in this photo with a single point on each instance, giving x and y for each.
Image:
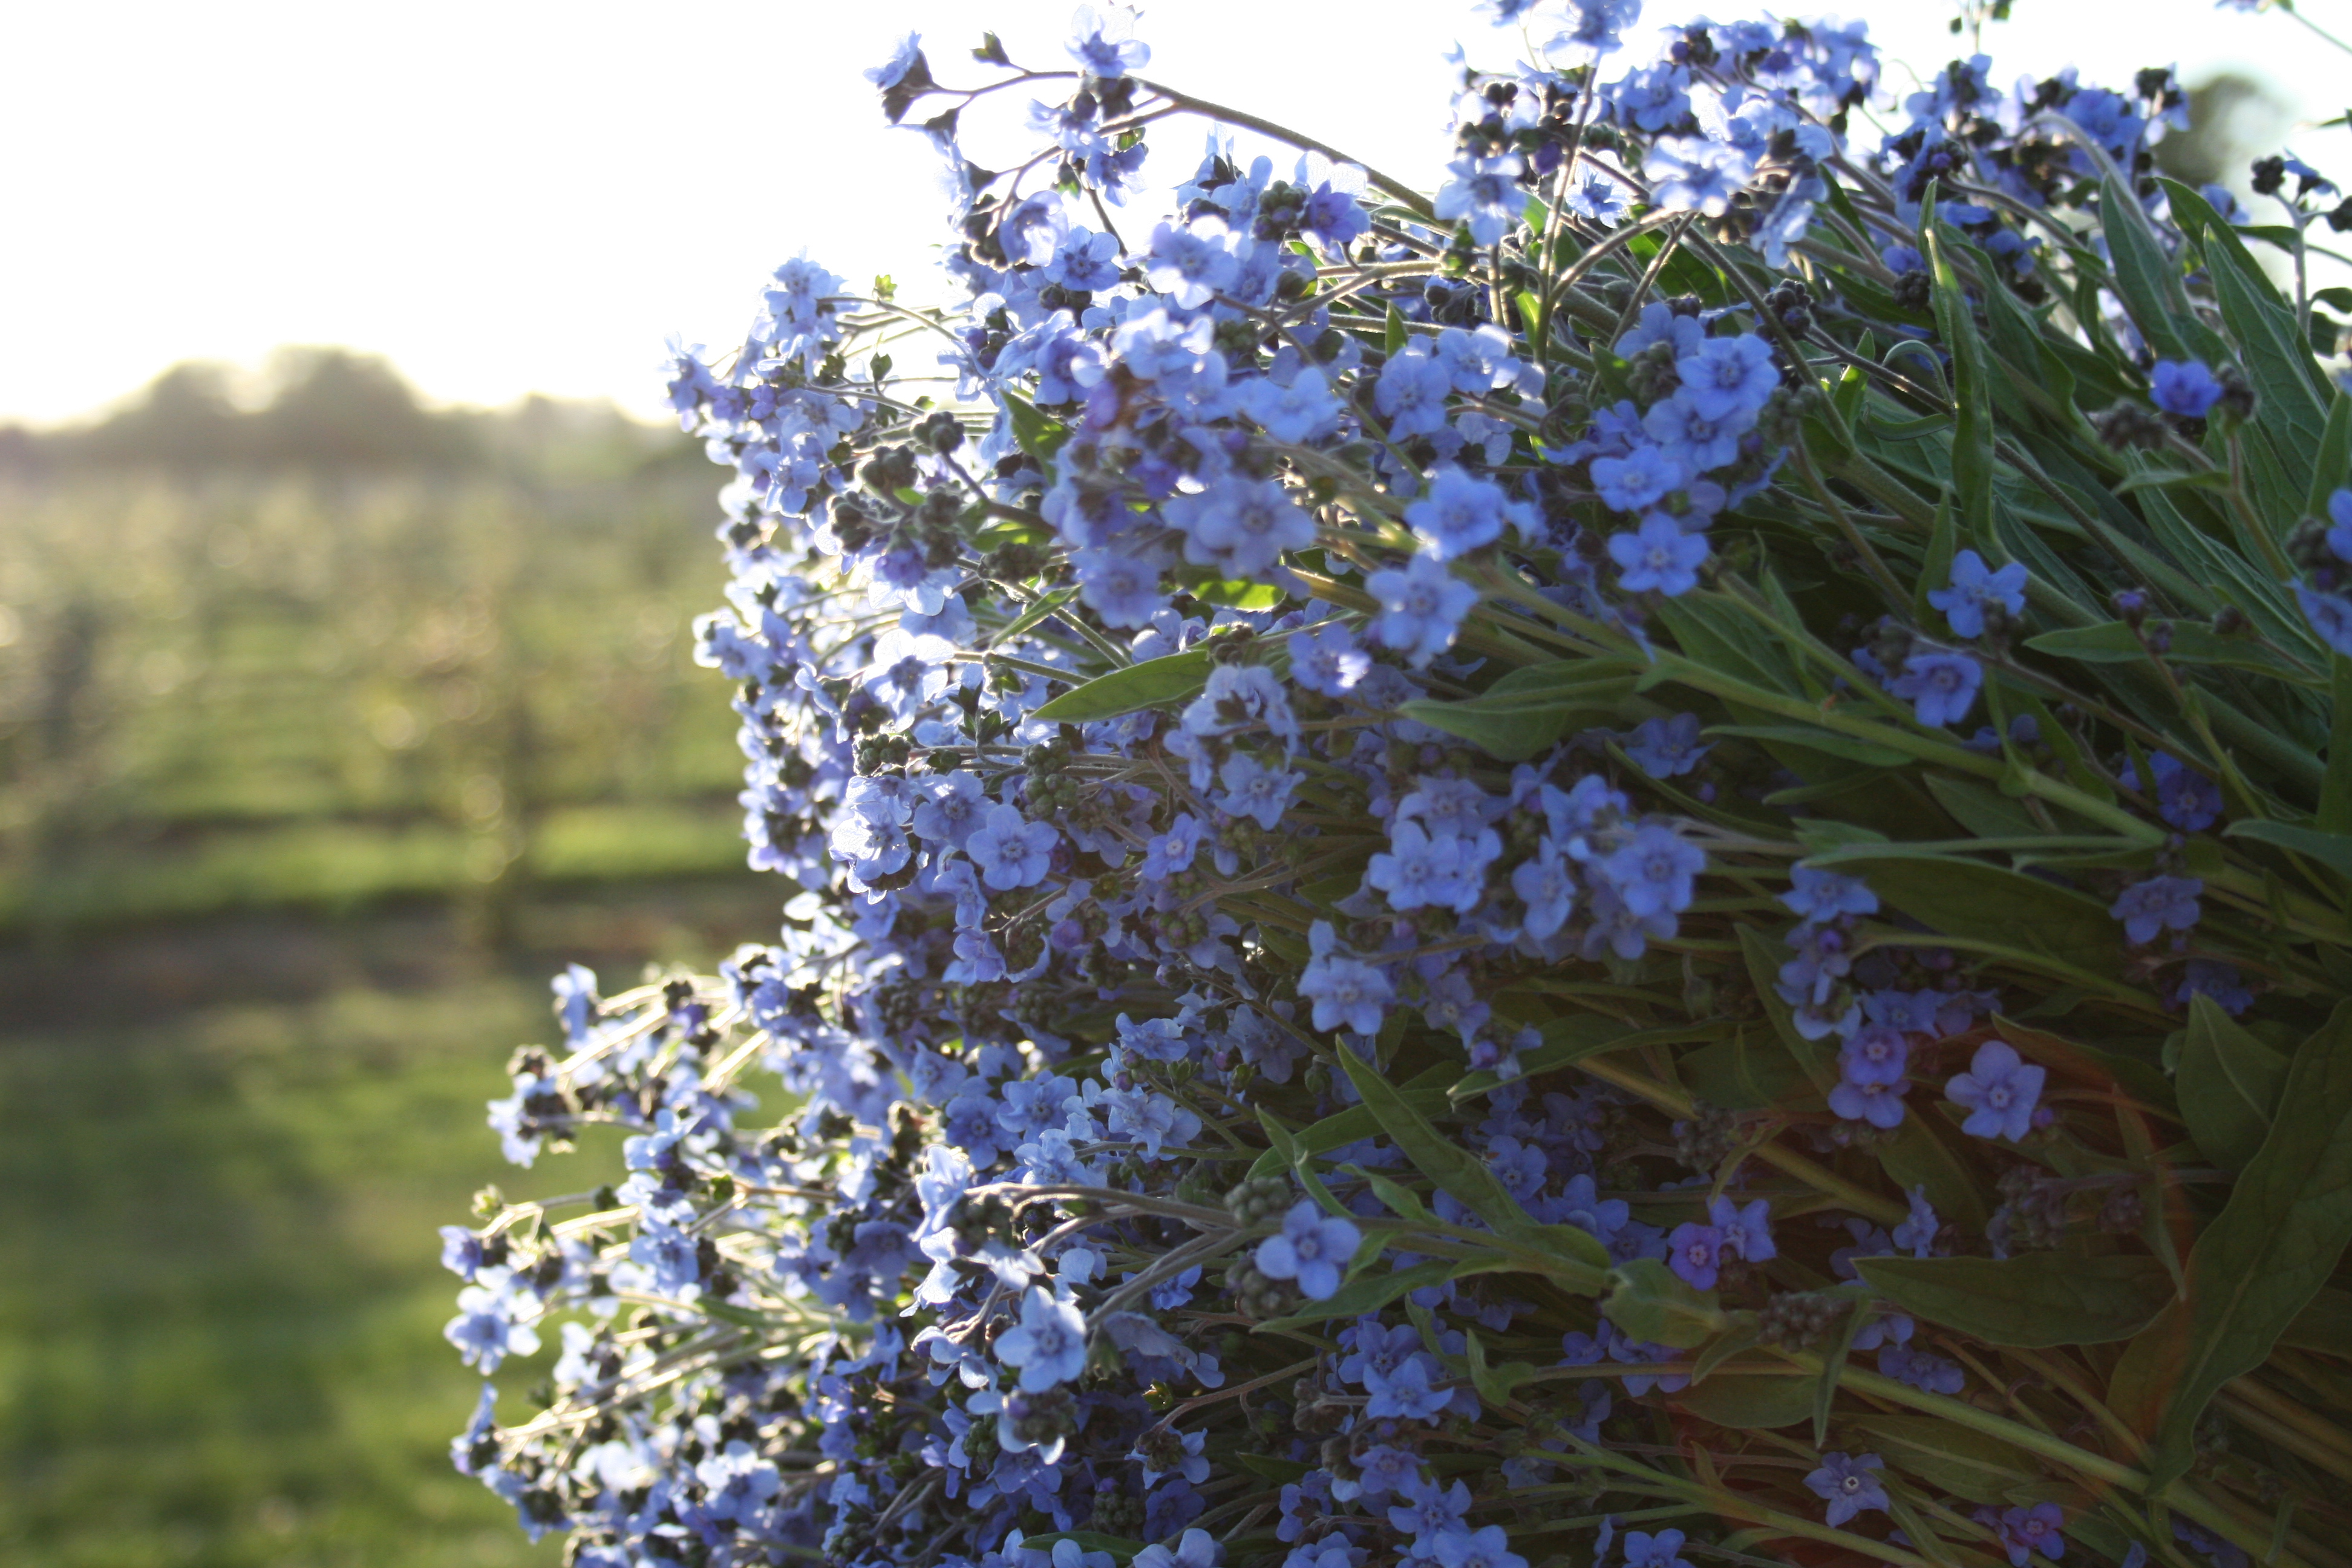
(339, 708)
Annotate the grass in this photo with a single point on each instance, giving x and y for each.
(220, 1300)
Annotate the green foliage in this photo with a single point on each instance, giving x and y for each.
(218, 1291)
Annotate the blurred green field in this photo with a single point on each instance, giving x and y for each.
(250, 690)
(220, 1298)
(319, 749)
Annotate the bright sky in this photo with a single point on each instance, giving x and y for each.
(516, 195)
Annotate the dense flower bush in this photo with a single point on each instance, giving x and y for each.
(1642, 863)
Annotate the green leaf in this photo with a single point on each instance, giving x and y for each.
(1747, 1402)
(1393, 337)
(2174, 479)
(2147, 281)
(1039, 436)
(2265, 1256)
(1919, 1155)
(1239, 594)
(1936, 568)
(1370, 1292)
(1744, 1332)
(2026, 914)
(1495, 1383)
(1454, 1168)
(1833, 1366)
(1569, 1038)
(1828, 742)
(1962, 1461)
(1972, 434)
(1763, 974)
(2332, 850)
(1569, 1254)
(2112, 642)
(2229, 1085)
(2034, 1300)
(1425, 1088)
(1154, 683)
(2325, 1324)
(1529, 709)
(2333, 468)
(2336, 794)
(1740, 1075)
(1032, 614)
(1650, 1302)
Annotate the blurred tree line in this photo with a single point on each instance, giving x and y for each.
(331, 411)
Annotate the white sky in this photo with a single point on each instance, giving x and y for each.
(516, 195)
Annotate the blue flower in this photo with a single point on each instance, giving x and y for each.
(1819, 895)
(1727, 377)
(1652, 98)
(1122, 586)
(1919, 1228)
(1241, 696)
(1999, 1092)
(1975, 586)
(1638, 480)
(1405, 1393)
(904, 56)
(1419, 870)
(1459, 513)
(492, 1324)
(2211, 977)
(1545, 885)
(1667, 748)
(1846, 1483)
(1411, 391)
(1941, 687)
(1596, 25)
(1010, 850)
(2330, 615)
(2339, 531)
(2157, 904)
(2185, 798)
(1299, 412)
(2026, 1531)
(1485, 192)
(1746, 1230)
(1104, 46)
(2184, 387)
(1421, 606)
(1049, 1343)
(1256, 791)
(1874, 1100)
(1658, 556)
(1695, 1252)
(1312, 1247)
(1239, 525)
(1489, 1546)
(1652, 873)
(1347, 992)
(1662, 1550)
(1698, 441)
(1189, 264)
(1325, 659)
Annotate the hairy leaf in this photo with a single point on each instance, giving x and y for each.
(1154, 683)
(2034, 1300)
(2264, 1258)
(2229, 1084)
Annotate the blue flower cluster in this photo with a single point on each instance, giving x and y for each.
(1228, 1007)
